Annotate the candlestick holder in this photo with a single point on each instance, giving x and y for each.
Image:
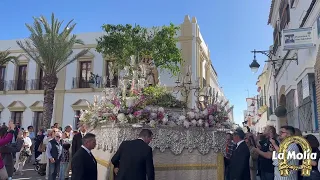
(184, 85)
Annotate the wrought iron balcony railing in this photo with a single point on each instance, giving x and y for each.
(79, 82)
(3, 85)
(14, 85)
(36, 84)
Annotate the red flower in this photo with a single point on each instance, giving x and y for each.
(113, 118)
(160, 116)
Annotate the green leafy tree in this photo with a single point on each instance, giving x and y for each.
(5, 58)
(122, 41)
(51, 47)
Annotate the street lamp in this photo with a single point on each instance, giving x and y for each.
(254, 66)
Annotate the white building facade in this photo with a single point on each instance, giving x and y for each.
(21, 90)
(287, 83)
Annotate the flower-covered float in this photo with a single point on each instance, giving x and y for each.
(183, 139)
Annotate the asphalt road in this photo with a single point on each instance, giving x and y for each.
(29, 173)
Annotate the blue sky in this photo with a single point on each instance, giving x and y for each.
(231, 29)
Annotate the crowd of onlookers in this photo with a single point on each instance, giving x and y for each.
(50, 149)
(249, 156)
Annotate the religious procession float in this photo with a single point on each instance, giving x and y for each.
(188, 143)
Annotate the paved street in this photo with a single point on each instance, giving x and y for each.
(29, 174)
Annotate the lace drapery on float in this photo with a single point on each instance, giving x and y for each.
(175, 139)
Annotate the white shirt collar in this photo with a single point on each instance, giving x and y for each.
(86, 149)
(239, 143)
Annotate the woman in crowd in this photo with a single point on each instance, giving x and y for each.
(65, 155)
(4, 141)
(8, 150)
(314, 143)
(253, 161)
(17, 154)
(24, 153)
(37, 142)
(44, 159)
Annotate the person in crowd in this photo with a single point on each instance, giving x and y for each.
(230, 146)
(7, 152)
(16, 130)
(314, 143)
(253, 161)
(25, 152)
(32, 136)
(239, 162)
(54, 154)
(44, 159)
(75, 132)
(17, 154)
(65, 156)
(68, 129)
(133, 159)
(77, 139)
(297, 132)
(37, 142)
(4, 141)
(56, 125)
(285, 131)
(265, 150)
(84, 165)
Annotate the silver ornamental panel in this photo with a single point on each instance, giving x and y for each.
(175, 139)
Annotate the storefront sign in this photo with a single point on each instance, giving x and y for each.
(297, 38)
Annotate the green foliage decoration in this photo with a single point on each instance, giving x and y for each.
(159, 96)
(122, 41)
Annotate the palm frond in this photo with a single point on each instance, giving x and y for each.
(5, 58)
(50, 45)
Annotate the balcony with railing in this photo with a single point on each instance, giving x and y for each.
(97, 82)
(36, 84)
(3, 85)
(106, 82)
(16, 85)
(79, 82)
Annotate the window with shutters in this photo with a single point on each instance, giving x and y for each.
(284, 14)
(2, 77)
(276, 38)
(16, 116)
(77, 119)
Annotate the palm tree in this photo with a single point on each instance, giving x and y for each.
(51, 48)
(5, 57)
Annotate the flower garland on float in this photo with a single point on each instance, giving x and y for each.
(112, 109)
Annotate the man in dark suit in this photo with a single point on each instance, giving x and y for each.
(77, 139)
(133, 160)
(83, 164)
(239, 162)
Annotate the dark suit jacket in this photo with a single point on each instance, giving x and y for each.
(239, 163)
(84, 166)
(76, 143)
(135, 161)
